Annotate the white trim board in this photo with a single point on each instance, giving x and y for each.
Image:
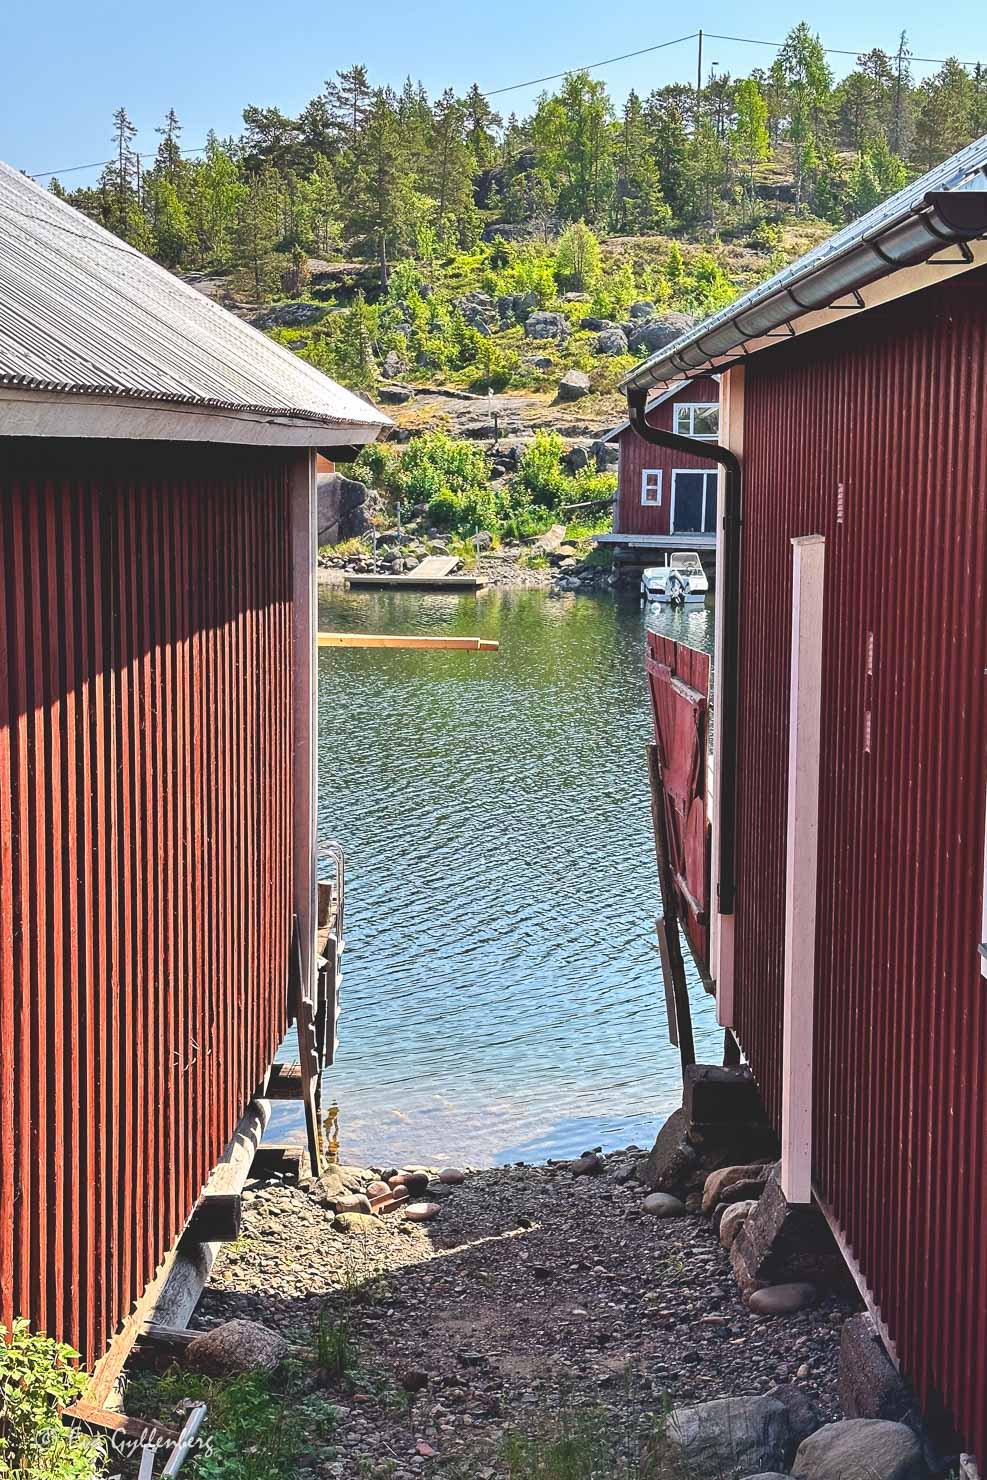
(801, 866)
(46, 414)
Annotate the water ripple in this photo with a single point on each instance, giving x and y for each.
(501, 991)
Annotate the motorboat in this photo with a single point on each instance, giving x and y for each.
(682, 582)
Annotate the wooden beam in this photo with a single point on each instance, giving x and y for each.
(285, 1082)
(667, 925)
(395, 640)
(139, 1430)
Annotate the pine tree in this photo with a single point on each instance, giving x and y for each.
(320, 209)
(257, 232)
(169, 158)
(945, 118)
(380, 182)
(481, 123)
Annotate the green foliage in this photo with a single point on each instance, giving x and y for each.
(38, 1378)
(540, 472)
(528, 267)
(256, 1426)
(336, 1352)
(577, 258)
(577, 1443)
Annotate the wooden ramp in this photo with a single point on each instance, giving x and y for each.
(434, 573)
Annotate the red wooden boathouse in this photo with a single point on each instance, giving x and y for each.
(659, 492)
(851, 748)
(157, 755)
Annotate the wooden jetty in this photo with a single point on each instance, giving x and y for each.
(412, 640)
(435, 573)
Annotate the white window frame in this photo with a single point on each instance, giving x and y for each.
(656, 473)
(692, 407)
(706, 473)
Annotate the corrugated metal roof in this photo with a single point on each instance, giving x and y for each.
(963, 171)
(82, 312)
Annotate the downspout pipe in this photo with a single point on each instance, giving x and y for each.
(728, 591)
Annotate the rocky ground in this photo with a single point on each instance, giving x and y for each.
(550, 563)
(530, 1292)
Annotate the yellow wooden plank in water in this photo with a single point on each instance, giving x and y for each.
(398, 640)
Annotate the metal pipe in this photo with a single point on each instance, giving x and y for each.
(185, 1441)
(728, 591)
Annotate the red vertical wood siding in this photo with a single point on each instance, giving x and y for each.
(145, 852)
(633, 517)
(874, 434)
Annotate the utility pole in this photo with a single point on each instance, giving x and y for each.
(699, 71)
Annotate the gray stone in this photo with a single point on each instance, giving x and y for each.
(573, 385)
(545, 325)
(781, 1243)
(354, 1202)
(291, 316)
(733, 1220)
(717, 1181)
(395, 394)
(482, 539)
(611, 342)
(452, 1176)
(576, 458)
(236, 1347)
(802, 1413)
(654, 333)
(868, 1383)
(342, 508)
(354, 1222)
(732, 1436)
(782, 1300)
(391, 367)
(663, 1205)
(861, 1449)
(715, 1094)
(672, 1160)
(594, 325)
(538, 362)
(643, 309)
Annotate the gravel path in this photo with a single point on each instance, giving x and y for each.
(531, 1288)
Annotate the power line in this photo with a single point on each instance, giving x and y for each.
(590, 66)
(833, 51)
(494, 92)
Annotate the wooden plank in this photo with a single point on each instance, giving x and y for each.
(669, 945)
(434, 566)
(397, 640)
(426, 583)
(141, 1430)
(309, 1055)
(215, 1219)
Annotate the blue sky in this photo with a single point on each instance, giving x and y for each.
(69, 63)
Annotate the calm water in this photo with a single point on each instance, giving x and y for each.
(501, 987)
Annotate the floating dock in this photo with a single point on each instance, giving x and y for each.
(433, 574)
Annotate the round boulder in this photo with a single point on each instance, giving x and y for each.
(861, 1449)
(574, 385)
(354, 1222)
(731, 1436)
(421, 1212)
(236, 1347)
(663, 1205)
(451, 1176)
(781, 1300)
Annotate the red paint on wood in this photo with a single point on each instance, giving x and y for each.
(633, 517)
(678, 685)
(145, 852)
(878, 440)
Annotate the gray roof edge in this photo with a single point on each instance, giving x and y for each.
(964, 170)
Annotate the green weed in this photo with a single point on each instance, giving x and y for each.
(38, 1378)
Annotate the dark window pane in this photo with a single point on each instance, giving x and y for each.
(688, 515)
(709, 523)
